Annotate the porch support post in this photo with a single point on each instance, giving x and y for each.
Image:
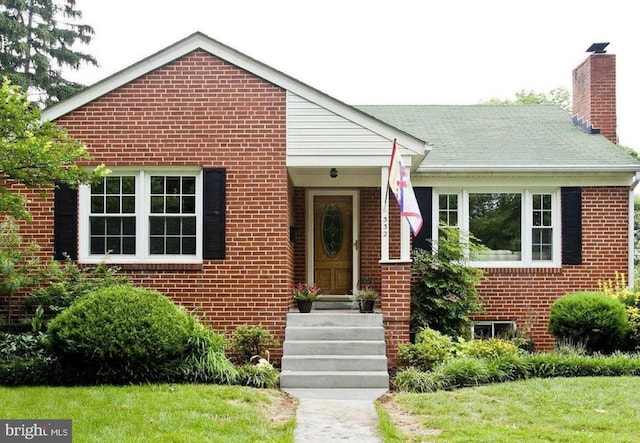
(384, 214)
(396, 306)
(405, 240)
(405, 232)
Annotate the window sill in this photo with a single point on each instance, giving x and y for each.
(522, 270)
(152, 266)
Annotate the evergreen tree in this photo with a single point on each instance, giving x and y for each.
(36, 40)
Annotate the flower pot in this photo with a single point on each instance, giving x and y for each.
(366, 305)
(305, 305)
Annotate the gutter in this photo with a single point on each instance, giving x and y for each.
(529, 168)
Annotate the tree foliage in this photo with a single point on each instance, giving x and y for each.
(36, 37)
(35, 153)
(557, 96)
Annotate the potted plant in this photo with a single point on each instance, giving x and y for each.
(304, 294)
(365, 299)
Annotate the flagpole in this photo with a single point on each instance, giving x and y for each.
(384, 215)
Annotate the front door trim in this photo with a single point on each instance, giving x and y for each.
(355, 246)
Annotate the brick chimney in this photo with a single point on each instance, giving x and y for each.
(594, 93)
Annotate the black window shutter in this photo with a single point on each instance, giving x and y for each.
(65, 222)
(214, 207)
(424, 196)
(571, 226)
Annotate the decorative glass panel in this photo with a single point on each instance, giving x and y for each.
(332, 230)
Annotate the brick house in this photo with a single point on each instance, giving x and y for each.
(224, 171)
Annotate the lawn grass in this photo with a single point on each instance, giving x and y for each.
(153, 413)
(575, 410)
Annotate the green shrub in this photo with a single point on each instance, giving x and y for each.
(591, 318)
(470, 372)
(619, 290)
(24, 360)
(431, 347)
(465, 372)
(446, 293)
(260, 375)
(490, 349)
(251, 341)
(205, 361)
(415, 380)
(121, 334)
(69, 282)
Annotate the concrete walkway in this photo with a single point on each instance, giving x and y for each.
(336, 415)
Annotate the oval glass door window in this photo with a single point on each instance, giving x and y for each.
(332, 229)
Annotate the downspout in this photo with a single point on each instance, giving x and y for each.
(631, 271)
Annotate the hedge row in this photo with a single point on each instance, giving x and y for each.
(465, 372)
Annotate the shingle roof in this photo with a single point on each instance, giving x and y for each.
(503, 137)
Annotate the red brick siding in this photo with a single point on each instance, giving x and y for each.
(525, 295)
(200, 110)
(396, 306)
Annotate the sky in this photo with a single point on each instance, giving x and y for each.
(389, 52)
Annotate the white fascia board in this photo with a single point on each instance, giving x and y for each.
(201, 41)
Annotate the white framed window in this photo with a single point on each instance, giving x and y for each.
(518, 227)
(483, 330)
(150, 215)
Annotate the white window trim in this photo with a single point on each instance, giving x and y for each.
(143, 184)
(526, 227)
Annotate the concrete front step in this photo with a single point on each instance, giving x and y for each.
(313, 363)
(334, 333)
(334, 379)
(334, 347)
(341, 318)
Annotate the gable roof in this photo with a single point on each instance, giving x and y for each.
(504, 138)
(198, 40)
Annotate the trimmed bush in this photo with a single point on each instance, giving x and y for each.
(121, 334)
(591, 318)
(431, 347)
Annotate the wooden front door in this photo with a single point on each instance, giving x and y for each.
(333, 243)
